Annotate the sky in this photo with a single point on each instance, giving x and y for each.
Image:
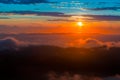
(60, 16)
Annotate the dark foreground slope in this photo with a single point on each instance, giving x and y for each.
(33, 62)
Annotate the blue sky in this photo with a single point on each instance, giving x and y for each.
(110, 7)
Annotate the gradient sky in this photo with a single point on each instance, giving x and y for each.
(60, 16)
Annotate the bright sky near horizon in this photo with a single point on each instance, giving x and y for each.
(59, 16)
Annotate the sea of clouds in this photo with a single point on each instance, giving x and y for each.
(13, 43)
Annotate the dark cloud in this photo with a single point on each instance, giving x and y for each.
(60, 14)
(10, 43)
(54, 14)
(103, 17)
(103, 8)
(67, 20)
(23, 1)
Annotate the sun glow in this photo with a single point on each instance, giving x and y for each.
(80, 24)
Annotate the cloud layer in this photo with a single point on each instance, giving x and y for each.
(12, 43)
(61, 14)
(23, 1)
(37, 13)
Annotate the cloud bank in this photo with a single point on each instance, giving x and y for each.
(13, 43)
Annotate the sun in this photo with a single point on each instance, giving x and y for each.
(80, 24)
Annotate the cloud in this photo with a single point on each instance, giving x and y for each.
(13, 42)
(88, 43)
(103, 17)
(23, 1)
(5, 18)
(10, 43)
(37, 61)
(67, 76)
(92, 43)
(102, 8)
(85, 4)
(61, 14)
(66, 20)
(53, 14)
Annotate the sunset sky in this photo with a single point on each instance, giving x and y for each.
(60, 16)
